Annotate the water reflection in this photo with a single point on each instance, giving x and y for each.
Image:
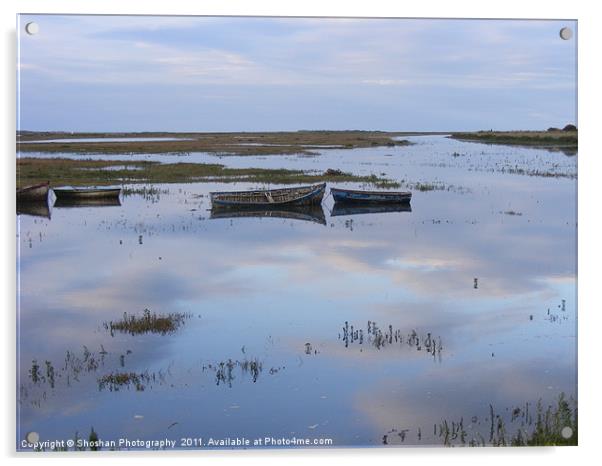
(102, 202)
(260, 354)
(313, 213)
(35, 209)
(358, 209)
(381, 338)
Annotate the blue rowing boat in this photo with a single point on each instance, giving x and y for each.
(376, 197)
(300, 195)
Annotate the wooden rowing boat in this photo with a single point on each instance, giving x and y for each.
(86, 193)
(301, 195)
(36, 192)
(346, 208)
(376, 197)
(313, 213)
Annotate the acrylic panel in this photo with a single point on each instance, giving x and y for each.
(268, 232)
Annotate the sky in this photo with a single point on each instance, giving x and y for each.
(136, 73)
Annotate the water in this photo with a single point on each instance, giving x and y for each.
(265, 348)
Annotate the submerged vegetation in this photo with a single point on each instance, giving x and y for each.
(526, 425)
(557, 425)
(44, 381)
(115, 381)
(63, 171)
(425, 186)
(147, 323)
(540, 173)
(224, 370)
(381, 338)
(272, 143)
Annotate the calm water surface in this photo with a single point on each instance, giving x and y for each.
(267, 346)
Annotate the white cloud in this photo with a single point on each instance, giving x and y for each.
(356, 61)
(386, 82)
(317, 51)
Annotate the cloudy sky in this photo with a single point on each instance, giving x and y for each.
(110, 73)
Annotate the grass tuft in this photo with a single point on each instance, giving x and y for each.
(148, 323)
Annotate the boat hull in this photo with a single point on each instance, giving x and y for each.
(35, 193)
(370, 197)
(298, 196)
(64, 194)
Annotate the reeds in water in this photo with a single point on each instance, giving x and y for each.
(147, 323)
(115, 381)
(522, 426)
(381, 338)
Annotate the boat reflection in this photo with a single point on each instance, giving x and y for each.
(341, 209)
(312, 213)
(34, 208)
(87, 202)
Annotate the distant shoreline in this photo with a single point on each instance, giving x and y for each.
(239, 143)
(29, 135)
(269, 143)
(558, 139)
(91, 172)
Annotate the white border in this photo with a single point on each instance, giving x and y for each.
(590, 170)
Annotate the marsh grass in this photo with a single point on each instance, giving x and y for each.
(553, 425)
(274, 143)
(428, 187)
(147, 192)
(553, 139)
(63, 171)
(147, 323)
(540, 173)
(550, 424)
(118, 380)
(544, 427)
(433, 186)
